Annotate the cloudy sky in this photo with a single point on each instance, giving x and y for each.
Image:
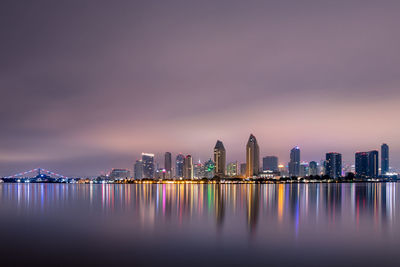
(88, 85)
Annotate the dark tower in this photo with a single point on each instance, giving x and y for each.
(294, 164)
(219, 159)
(384, 159)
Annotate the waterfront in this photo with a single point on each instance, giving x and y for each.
(200, 224)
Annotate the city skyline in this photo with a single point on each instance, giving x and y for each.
(103, 83)
(366, 164)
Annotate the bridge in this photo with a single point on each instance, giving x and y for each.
(37, 175)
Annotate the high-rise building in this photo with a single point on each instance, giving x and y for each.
(233, 169)
(270, 163)
(252, 157)
(180, 162)
(361, 164)
(367, 164)
(168, 161)
(219, 159)
(384, 159)
(188, 167)
(294, 164)
(333, 166)
(138, 170)
(148, 165)
(167, 165)
(313, 168)
(373, 164)
(199, 171)
(209, 169)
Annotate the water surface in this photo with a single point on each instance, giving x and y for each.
(198, 225)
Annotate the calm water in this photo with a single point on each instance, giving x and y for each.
(197, 225)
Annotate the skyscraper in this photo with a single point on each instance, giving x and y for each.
(270, 163)
(219, 159)
(333, 166)
(180, 161)
(199, 171)
(168, 161)
(384, 159)
(148, 165)
(252, 157)
(361, 164)
(367, 164)
(188, 167)
(313, 168)
(138, 169)
(373, 164)
(294, 164)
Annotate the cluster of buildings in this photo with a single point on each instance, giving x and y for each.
(366, 165)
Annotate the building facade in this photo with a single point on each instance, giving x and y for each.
(209, 167)
(120, 174)
(233, 169)
(270, 163)
(219, 159)
(252, 157)
(168, 161)
(148, 165)
(373, 164)
(294, 164)
(384, 159)
(188, 167)
(313, 168)
(333, 165)
(367, 164)
(138, 170)
(179, 165)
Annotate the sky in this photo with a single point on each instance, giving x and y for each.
(87, 86)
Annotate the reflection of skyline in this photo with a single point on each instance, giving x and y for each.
(292, 205)
(253, 206)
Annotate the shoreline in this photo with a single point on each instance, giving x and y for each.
(202, 182)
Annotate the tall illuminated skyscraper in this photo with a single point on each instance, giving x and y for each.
(180, 162)
(188, 167)
(148, 165)
(294, 164)
(333, 166)
(219, 159)
(384, 159)
(252, 157)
